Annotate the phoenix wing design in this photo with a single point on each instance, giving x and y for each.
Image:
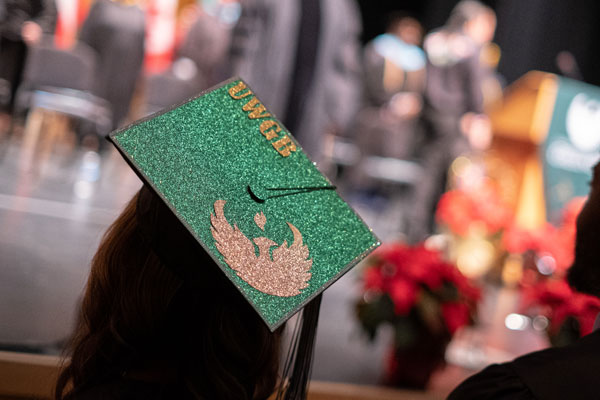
(282, 275)
(295, 262)
(235, 247)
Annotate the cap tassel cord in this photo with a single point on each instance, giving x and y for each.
(301, 354)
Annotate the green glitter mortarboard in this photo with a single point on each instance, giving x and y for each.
(243, 187)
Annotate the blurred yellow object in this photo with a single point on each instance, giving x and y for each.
(520, 123)
(531, 208)
(460, 165)
(513, 270)
(525, 111)
(490, 55)
(474, 256)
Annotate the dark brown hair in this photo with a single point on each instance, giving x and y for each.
(136, 312)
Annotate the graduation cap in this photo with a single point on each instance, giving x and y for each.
(242, 186)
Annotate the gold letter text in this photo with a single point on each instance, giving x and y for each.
(235, 91)
(256, 108)
(284, 146)
(266, 128)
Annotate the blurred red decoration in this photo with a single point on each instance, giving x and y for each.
(571, 314)
(424, 298)
(544, 290)
(558, 242)
(460, 209)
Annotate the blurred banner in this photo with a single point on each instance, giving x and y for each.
(547, 130)
(572, 145)
(160, 35)
(71, 14)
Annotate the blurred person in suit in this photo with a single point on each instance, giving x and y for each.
(205, 39)
(453, 118)
(303, 57)
(116, 30)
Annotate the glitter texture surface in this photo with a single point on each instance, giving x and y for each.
(283, 274)
(210, 149)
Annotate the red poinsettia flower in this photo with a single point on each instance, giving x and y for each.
(561, 302)
(374, 279)
(491, 209)
(517, 240)
(466, 289)
(404, 295)
(461, 208)
(559, 243)
(456, 210)
(548, 240)
(399, 261)
(403, 272)
(456, 315)
(424, 267)
(551, 293)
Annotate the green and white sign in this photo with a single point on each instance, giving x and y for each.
(572, 146)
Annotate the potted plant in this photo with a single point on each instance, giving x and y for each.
(424, 298)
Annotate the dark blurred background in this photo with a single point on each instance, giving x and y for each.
(530, 33)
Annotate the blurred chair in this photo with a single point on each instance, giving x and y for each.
(378, 185)
(56, 88)
(343, 152)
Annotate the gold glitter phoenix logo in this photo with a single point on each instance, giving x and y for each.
(283, 274)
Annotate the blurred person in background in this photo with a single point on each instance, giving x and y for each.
(568, 372)
(22, 24)
(206, 38)
(453, 117)
(116, 30)
(303, 57)
(203, 37)
(394, 61)
(394, 78)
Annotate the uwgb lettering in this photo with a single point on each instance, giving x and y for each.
(257, 110)
(269, 128)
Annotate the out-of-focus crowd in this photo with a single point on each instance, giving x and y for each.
(398, 109)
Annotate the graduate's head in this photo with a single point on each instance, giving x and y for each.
(475, 19)
(142, 310)
(584, 275)
(406, 27)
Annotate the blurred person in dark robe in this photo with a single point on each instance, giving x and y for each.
(394, 61)
(303, 57)
(116, 30)
(568, 372)
(22, 24)
(453, 118)
(394, 78)
(206, 41)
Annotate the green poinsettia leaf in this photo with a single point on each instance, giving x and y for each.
(428, 309)
(405, 332)
(374, 313)
(447, 292)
